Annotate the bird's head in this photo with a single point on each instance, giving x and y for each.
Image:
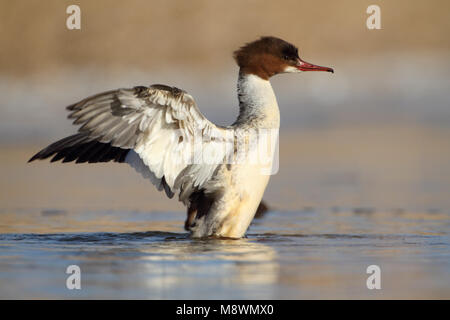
(269, 56)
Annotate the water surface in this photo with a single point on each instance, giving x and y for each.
(344, 199)
(312, 253)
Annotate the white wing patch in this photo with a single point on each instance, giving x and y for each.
(175, 141)
(136, 162)
(174, 145)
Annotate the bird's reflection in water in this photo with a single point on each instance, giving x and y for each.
(213, 268)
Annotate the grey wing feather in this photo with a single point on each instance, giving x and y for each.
(141, 126)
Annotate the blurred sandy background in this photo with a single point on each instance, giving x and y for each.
(374, 134)
(156, 35)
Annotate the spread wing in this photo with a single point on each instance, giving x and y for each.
(158, 130)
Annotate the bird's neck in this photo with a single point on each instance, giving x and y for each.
(257, 102)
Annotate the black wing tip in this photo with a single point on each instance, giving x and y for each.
(39, 156)
(81, 151)
(72, 107)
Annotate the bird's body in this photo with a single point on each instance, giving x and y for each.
(240, 186)
(219, 173)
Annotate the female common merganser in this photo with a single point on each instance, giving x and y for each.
(157, 130)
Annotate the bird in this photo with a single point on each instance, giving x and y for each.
(160, 132)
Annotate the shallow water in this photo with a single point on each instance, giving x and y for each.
(312, 253)
(344, 199)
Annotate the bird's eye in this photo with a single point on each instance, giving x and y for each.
(285, 57)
